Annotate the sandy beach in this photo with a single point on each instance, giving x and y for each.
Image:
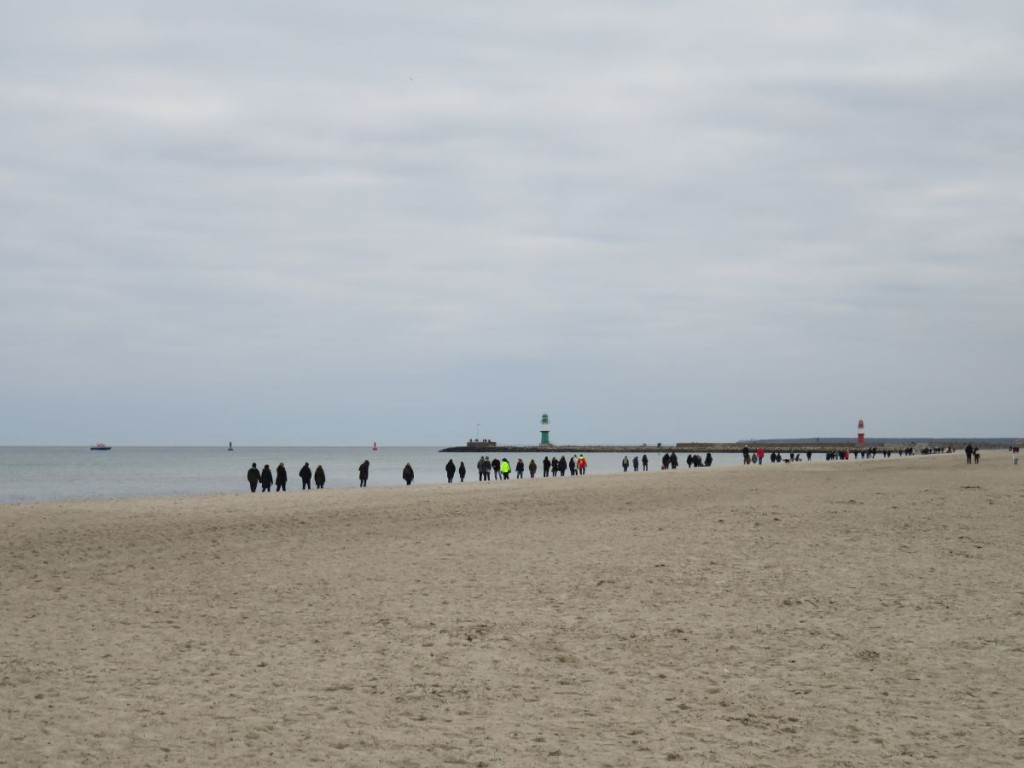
(861, 613)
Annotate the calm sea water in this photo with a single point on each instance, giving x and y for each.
(63, 473)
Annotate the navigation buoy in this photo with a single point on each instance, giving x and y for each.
(375, 445)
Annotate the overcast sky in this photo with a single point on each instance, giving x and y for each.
(330, 223)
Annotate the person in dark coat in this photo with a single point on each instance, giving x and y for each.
(281, 481)
(364, 473)
(306, 474)
(520, 468)
(496, 466)
(547, 465)
(533, 468)
(449, 470)
(462, 471)
(253, 476)
(407, 474)
(625, 464)
(266, 478)
(644, 460)
(319, 477)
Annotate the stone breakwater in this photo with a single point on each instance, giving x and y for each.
(769, 447)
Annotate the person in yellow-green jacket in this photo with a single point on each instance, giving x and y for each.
(506, 469)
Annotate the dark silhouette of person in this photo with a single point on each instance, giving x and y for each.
(547, 465)
(266, 478)
(306, 474)
(481, 468)
(319, 477)
(562, 466)
(462, 471)
(520, 468)
(449, 469)
(625, 464)
(707, 460)
(253, 476)
(969, 450)
(496, 466)
(364, 473)
(407, 474)
(644, 462)
(281, 481)
(533, 468)
(636, 463)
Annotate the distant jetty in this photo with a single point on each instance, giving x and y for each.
(779, 445)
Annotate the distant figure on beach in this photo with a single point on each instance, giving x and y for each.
(253, 476)
(581, 464)
(707, 460)
(496, 467)
(407, 474)
(520, 468)
(644, 461)
(625, 464)
(364, 473)
(266, 478)
(562, 465)
(746, 455)
(533, 468)
(281, 481)
(969, 450)
(547, 465)
(506, 468)
(572, 465)
(462, 471)
(449, 470)
(306, 474)
(319, 477)
(977, 456)
(760, 454)
(481, 468)
(636, 463)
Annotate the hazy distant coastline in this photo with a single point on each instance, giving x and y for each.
(797, 445)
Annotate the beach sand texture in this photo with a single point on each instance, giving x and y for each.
(826, 614)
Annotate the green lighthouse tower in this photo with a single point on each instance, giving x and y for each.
(545, 430)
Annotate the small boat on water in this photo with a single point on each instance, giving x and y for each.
(99, 447)
(230, 446)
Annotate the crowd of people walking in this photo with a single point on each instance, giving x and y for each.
(489, 468)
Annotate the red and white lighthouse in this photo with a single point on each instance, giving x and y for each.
(860, 432)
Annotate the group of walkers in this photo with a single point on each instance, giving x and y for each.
(501, 469)
(279, 479)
